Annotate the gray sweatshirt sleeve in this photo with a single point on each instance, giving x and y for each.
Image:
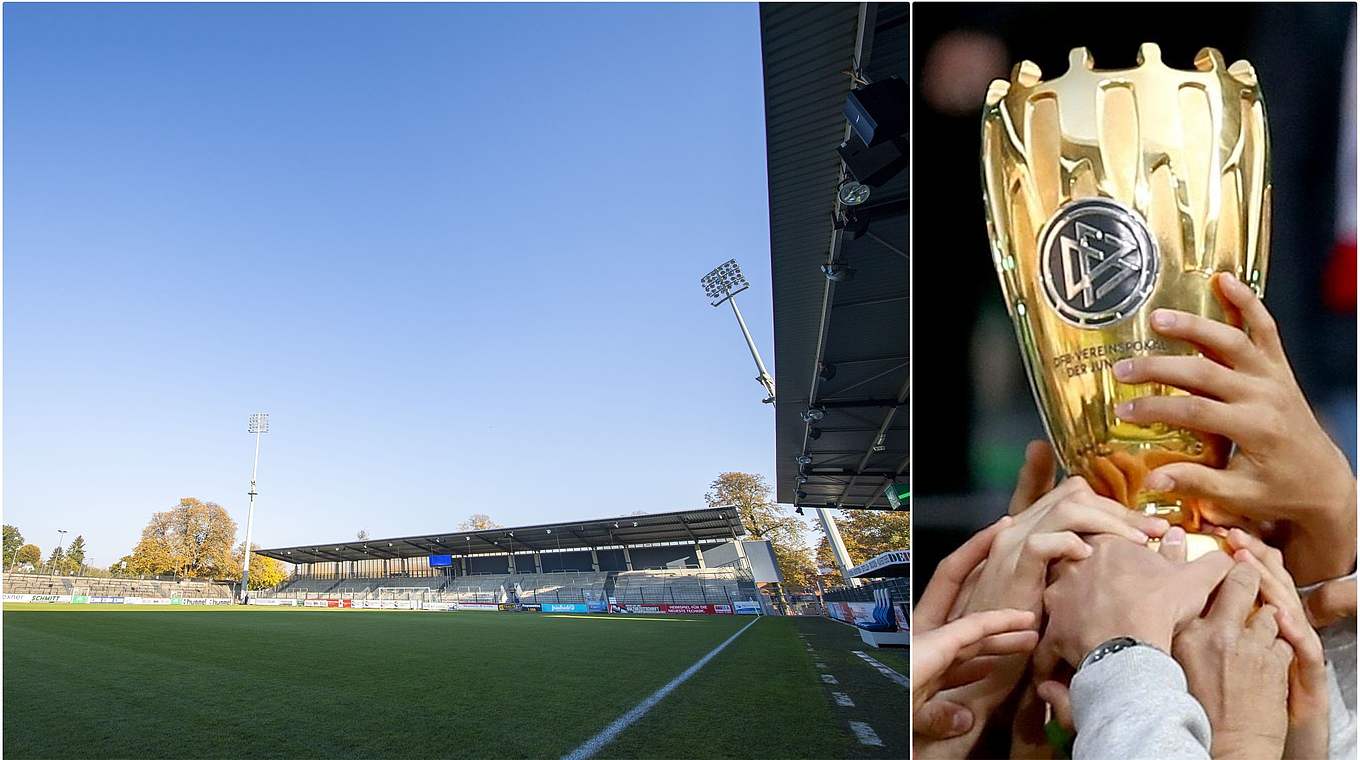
(1135, 704)
(1338, 645)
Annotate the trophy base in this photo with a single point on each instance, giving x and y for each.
(1178, 511)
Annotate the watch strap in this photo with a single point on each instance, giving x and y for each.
(1116, 644)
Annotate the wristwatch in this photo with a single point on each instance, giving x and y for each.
(1116, 644)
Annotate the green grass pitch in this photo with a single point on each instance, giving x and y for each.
(203, 682)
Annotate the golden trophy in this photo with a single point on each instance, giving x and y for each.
(1110, 194)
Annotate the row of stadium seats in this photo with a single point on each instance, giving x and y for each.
(28, 583)
(693, 586)
(562, 587)
(681, 587)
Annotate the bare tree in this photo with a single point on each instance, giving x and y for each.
(479, 521)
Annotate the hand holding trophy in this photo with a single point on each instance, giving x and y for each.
(1111, 194)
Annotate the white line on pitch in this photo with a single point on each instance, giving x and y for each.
(611, 731)
(865, 734)
(888, 673)
(842, 699)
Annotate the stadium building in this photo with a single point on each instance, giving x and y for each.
(836, 137)
(690, 561)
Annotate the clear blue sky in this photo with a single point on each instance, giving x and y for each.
(453, 250)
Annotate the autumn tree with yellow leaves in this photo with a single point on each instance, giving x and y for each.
(265, 572)
(750, 496)
(193, 540)
(866, 533)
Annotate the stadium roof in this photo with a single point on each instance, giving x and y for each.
(715, 524)
(859, 327)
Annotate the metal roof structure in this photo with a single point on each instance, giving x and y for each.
(715, 524)
(841, 348)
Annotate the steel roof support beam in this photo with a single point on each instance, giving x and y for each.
(902, 394)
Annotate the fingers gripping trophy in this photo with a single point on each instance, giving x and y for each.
(1110, 194)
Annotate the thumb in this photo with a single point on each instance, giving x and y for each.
(1189, 479)
(1196, 580)
(1036, 476)
(1173, 544)
(940, 719)
(1060, 699)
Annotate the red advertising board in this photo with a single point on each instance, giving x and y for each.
(671, 609)
(339, 603)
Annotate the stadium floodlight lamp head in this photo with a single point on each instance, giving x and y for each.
(838, 272)
(725, 281)
(259, 423)
(853, 193)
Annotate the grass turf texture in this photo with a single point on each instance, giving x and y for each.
(153, 682)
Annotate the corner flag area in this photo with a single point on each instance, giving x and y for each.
(161, 682)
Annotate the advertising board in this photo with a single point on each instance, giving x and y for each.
(862, 613)
(555, 607)
(671, 609)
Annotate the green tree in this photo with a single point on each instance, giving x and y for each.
(56, 562)
(750, 496)
(192, 540)
(75, 555)
(14, 540)
(30, 555)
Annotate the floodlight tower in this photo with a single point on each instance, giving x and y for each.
(61, 541)
(723, 284)
(259, 425)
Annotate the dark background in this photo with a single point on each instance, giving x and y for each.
(973, 411)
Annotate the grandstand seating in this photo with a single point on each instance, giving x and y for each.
(28, 583)
(681, 586)
(476, 588)
(567, 587)
(302, 586)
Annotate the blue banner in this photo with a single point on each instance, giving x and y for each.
(565, 607)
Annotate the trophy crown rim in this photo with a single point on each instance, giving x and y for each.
(1026, 74)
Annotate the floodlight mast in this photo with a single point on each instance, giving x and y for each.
(61, 542)
(723, 284)
(259, 425)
